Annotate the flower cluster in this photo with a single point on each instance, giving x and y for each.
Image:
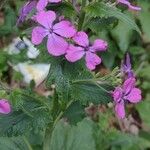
(127, 92)
(57, 43)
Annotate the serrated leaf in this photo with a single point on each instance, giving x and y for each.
(99, 9)
(98, 23)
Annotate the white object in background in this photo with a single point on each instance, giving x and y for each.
(36, 72)
(17, 45)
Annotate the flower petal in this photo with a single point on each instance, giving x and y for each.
(65, 29)
(54, 1)
(5, 107)
(120, 110)
(136, 8)
(134, 96)
(117, 94)
(38, 34)
(92, 60)
(128, 85)
(25, 10)
(126, 2)
(46, 18)
(56, 45)
(99, 45)
(81, 38)
(41, 5)
(74, 53)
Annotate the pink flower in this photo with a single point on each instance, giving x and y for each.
(126, 67)
(130, 6)
(4, 107)
(75, 53)
(43, 3)
(25, 10)
(56, 33)
(127, 93)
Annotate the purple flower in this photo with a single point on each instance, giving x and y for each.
(75, 53)
(130, 6)
(126, 67)
(25, 10)
(43, 3)
(4, 106)
(127, 93)
(56, 33)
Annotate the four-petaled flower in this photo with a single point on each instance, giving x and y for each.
(126, 67)
(56, 33)
(43, 3)
(127, 93)
(4, 106)
(75, 53)
(25, 10)
(130, 6)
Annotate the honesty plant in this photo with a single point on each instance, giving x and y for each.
(68, 37)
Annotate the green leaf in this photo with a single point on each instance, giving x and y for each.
(99, 9)
(98, 23)
(122, 41)
(110, 54)
(90, 92)
(75, 112)
(143, 109)
(14, 143)
(65, 8)
(56, 76)
(9, 22)
(128, 142)
(27, 114)
(144, 16)
(78, 137)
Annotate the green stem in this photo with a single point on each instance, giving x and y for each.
(49, 130)
(99, 80)
(61, 114)
(82, 16)
(27, 143)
